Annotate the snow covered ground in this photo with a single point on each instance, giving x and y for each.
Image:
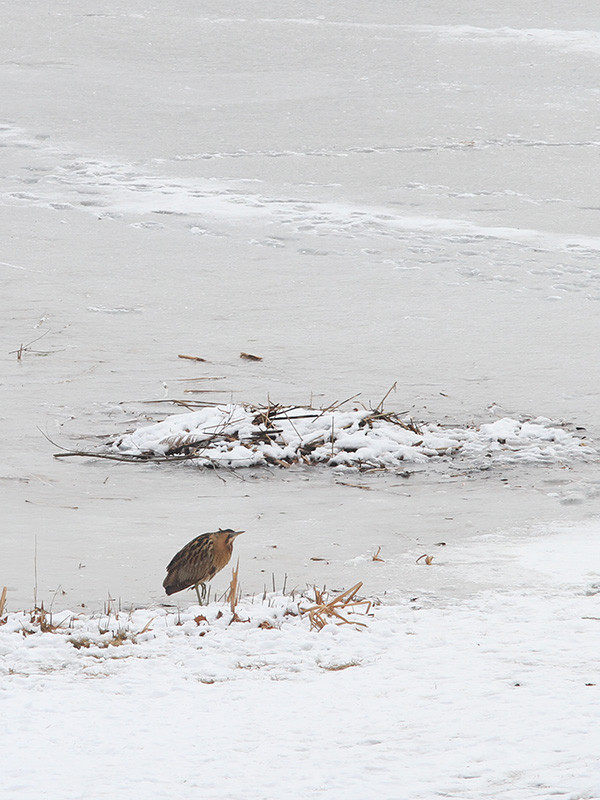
(494, 696)
(360, 194)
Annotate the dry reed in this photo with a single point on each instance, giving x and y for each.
(323, 610)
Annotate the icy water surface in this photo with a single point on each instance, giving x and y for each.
(358, 194)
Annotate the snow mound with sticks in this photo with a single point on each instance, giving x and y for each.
(238, 435)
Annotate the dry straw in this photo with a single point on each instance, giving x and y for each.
(324, 609)
(232, 595)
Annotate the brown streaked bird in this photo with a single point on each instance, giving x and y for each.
(199, 561)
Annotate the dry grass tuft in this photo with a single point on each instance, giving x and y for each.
(119, 638)
(80, 641)
(320, 613)
(43, 618)
(339, 667)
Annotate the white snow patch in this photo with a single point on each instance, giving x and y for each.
(586, 41)
(115, 309)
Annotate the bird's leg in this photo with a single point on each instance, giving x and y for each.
(198, 593)
(204, 590)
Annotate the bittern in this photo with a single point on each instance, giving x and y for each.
(199, 561)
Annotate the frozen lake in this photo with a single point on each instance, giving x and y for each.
(361, 194)
(370, 195)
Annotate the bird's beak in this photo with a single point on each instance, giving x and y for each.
(235, 533)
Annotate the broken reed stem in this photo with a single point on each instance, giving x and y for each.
(385, 396)
(35, 576)
(128, 459)
(24, 347)
(186, 403)
(376, 556)
(337, 404)
(289, 419)
(202, 378)
(332, 434)
(147, 626)
(233, 587)
(2, 601)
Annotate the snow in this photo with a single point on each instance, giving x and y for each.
(565, 40)
(496, 695)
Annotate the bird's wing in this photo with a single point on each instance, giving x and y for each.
(191, 565)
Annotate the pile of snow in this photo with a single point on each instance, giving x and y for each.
(242, 436)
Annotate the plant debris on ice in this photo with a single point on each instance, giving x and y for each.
(241, 435)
